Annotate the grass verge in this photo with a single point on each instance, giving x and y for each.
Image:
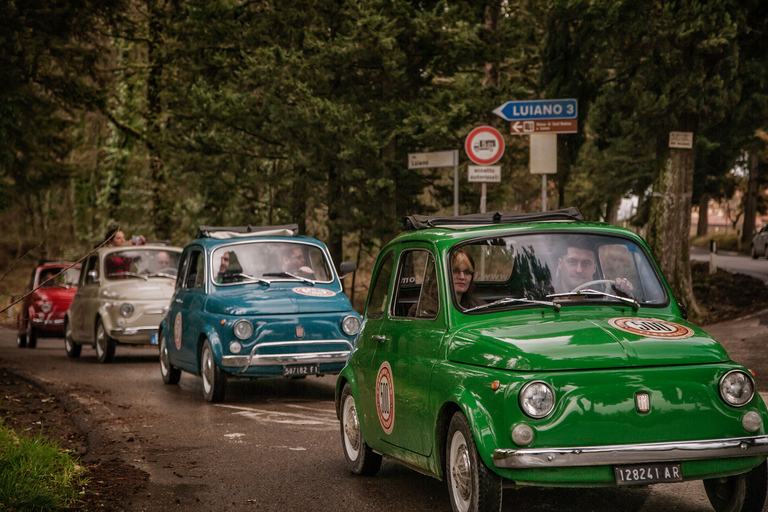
(36, 474)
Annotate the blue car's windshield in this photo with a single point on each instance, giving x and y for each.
(553, 267)
(269, 260)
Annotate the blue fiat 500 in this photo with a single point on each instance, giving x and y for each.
(256, 302)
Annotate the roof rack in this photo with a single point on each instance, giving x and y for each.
(224, 232)
(416, 222)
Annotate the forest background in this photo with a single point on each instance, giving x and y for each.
(162, 115)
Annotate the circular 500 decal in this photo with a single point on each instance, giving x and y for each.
(651, 327)
(385, 397)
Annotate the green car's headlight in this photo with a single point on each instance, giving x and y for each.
(243, 329)
(537, 399)
(737, 388)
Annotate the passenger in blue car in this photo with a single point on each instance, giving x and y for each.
(294, 262)
(223, 266)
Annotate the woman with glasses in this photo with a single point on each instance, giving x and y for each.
(463, 269)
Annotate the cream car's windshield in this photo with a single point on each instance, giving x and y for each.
(267, 261)
(141, 264)
(556, 268)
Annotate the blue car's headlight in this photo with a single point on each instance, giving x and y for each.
(350, 325)
(243, 329)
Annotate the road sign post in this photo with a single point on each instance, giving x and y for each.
(439, 159)
(484, 146)
(542, 120)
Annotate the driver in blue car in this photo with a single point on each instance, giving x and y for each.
(578, 266)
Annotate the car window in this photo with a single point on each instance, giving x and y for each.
(58, 276)
(141, 263)
(540, 266)
(417, 294)
(241, 262)
(182, 270)
(91, 265)
(377, 300)
(195, 279)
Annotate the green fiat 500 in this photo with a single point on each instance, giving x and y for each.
(539, 349)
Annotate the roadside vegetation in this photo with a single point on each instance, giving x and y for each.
(36, 473)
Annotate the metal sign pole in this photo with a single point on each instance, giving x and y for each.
(543, 192)
(482, 197)
(456, 182)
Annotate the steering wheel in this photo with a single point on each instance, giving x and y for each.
(604, 282)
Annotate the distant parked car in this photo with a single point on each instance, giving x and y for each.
(42, 311)
(256, 302)
(760, 243)
(123, 294)
(542, 350)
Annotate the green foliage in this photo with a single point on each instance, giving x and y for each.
(36, 474)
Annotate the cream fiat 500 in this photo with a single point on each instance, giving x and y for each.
(123, 294)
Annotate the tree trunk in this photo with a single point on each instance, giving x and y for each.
(702, 227)
(670, 220)
(160, 201)
(750, 202)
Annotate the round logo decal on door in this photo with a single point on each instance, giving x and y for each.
(651, 327)
(177, 331)
(385, 397)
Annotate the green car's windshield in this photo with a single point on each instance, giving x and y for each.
(267, 261)
(562, 268)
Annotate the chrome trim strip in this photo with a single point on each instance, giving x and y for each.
(254, 359)
(630, 453)
(127, 331)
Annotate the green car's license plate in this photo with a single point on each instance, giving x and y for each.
(299, 369)
(642, 474)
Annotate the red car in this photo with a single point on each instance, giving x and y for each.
(42, 312)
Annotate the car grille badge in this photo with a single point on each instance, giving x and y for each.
(299, 331)
(642, 402)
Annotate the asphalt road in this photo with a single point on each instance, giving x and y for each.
(734, 262)
(274, 445)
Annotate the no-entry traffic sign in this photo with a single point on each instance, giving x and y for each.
(484, 145)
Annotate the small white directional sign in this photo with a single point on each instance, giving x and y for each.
(484, 174)
(432, 160)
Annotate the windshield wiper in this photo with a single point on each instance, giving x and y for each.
(512, 300)
(588, 291)
(161, 274)
(128, 274)
(265, 282)
(288, 274)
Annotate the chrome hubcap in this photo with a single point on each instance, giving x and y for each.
(351, 428)
(461, 471)
(207, 370)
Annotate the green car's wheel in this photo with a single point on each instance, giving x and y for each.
(471, 485)
(170, 373)
(73, 349)
(740, 493)
(361, 459)
(214, 379)
(31, 335)
(105, 346)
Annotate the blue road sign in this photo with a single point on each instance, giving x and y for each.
(535, 110)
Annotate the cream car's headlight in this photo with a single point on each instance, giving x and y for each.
(243, 329)
(350, 325)
(737, 388)
(537, 399)
(126, 309)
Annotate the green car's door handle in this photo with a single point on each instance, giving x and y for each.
(379, 337)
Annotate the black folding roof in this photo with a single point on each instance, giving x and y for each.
(416, 222)
(208, 231)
